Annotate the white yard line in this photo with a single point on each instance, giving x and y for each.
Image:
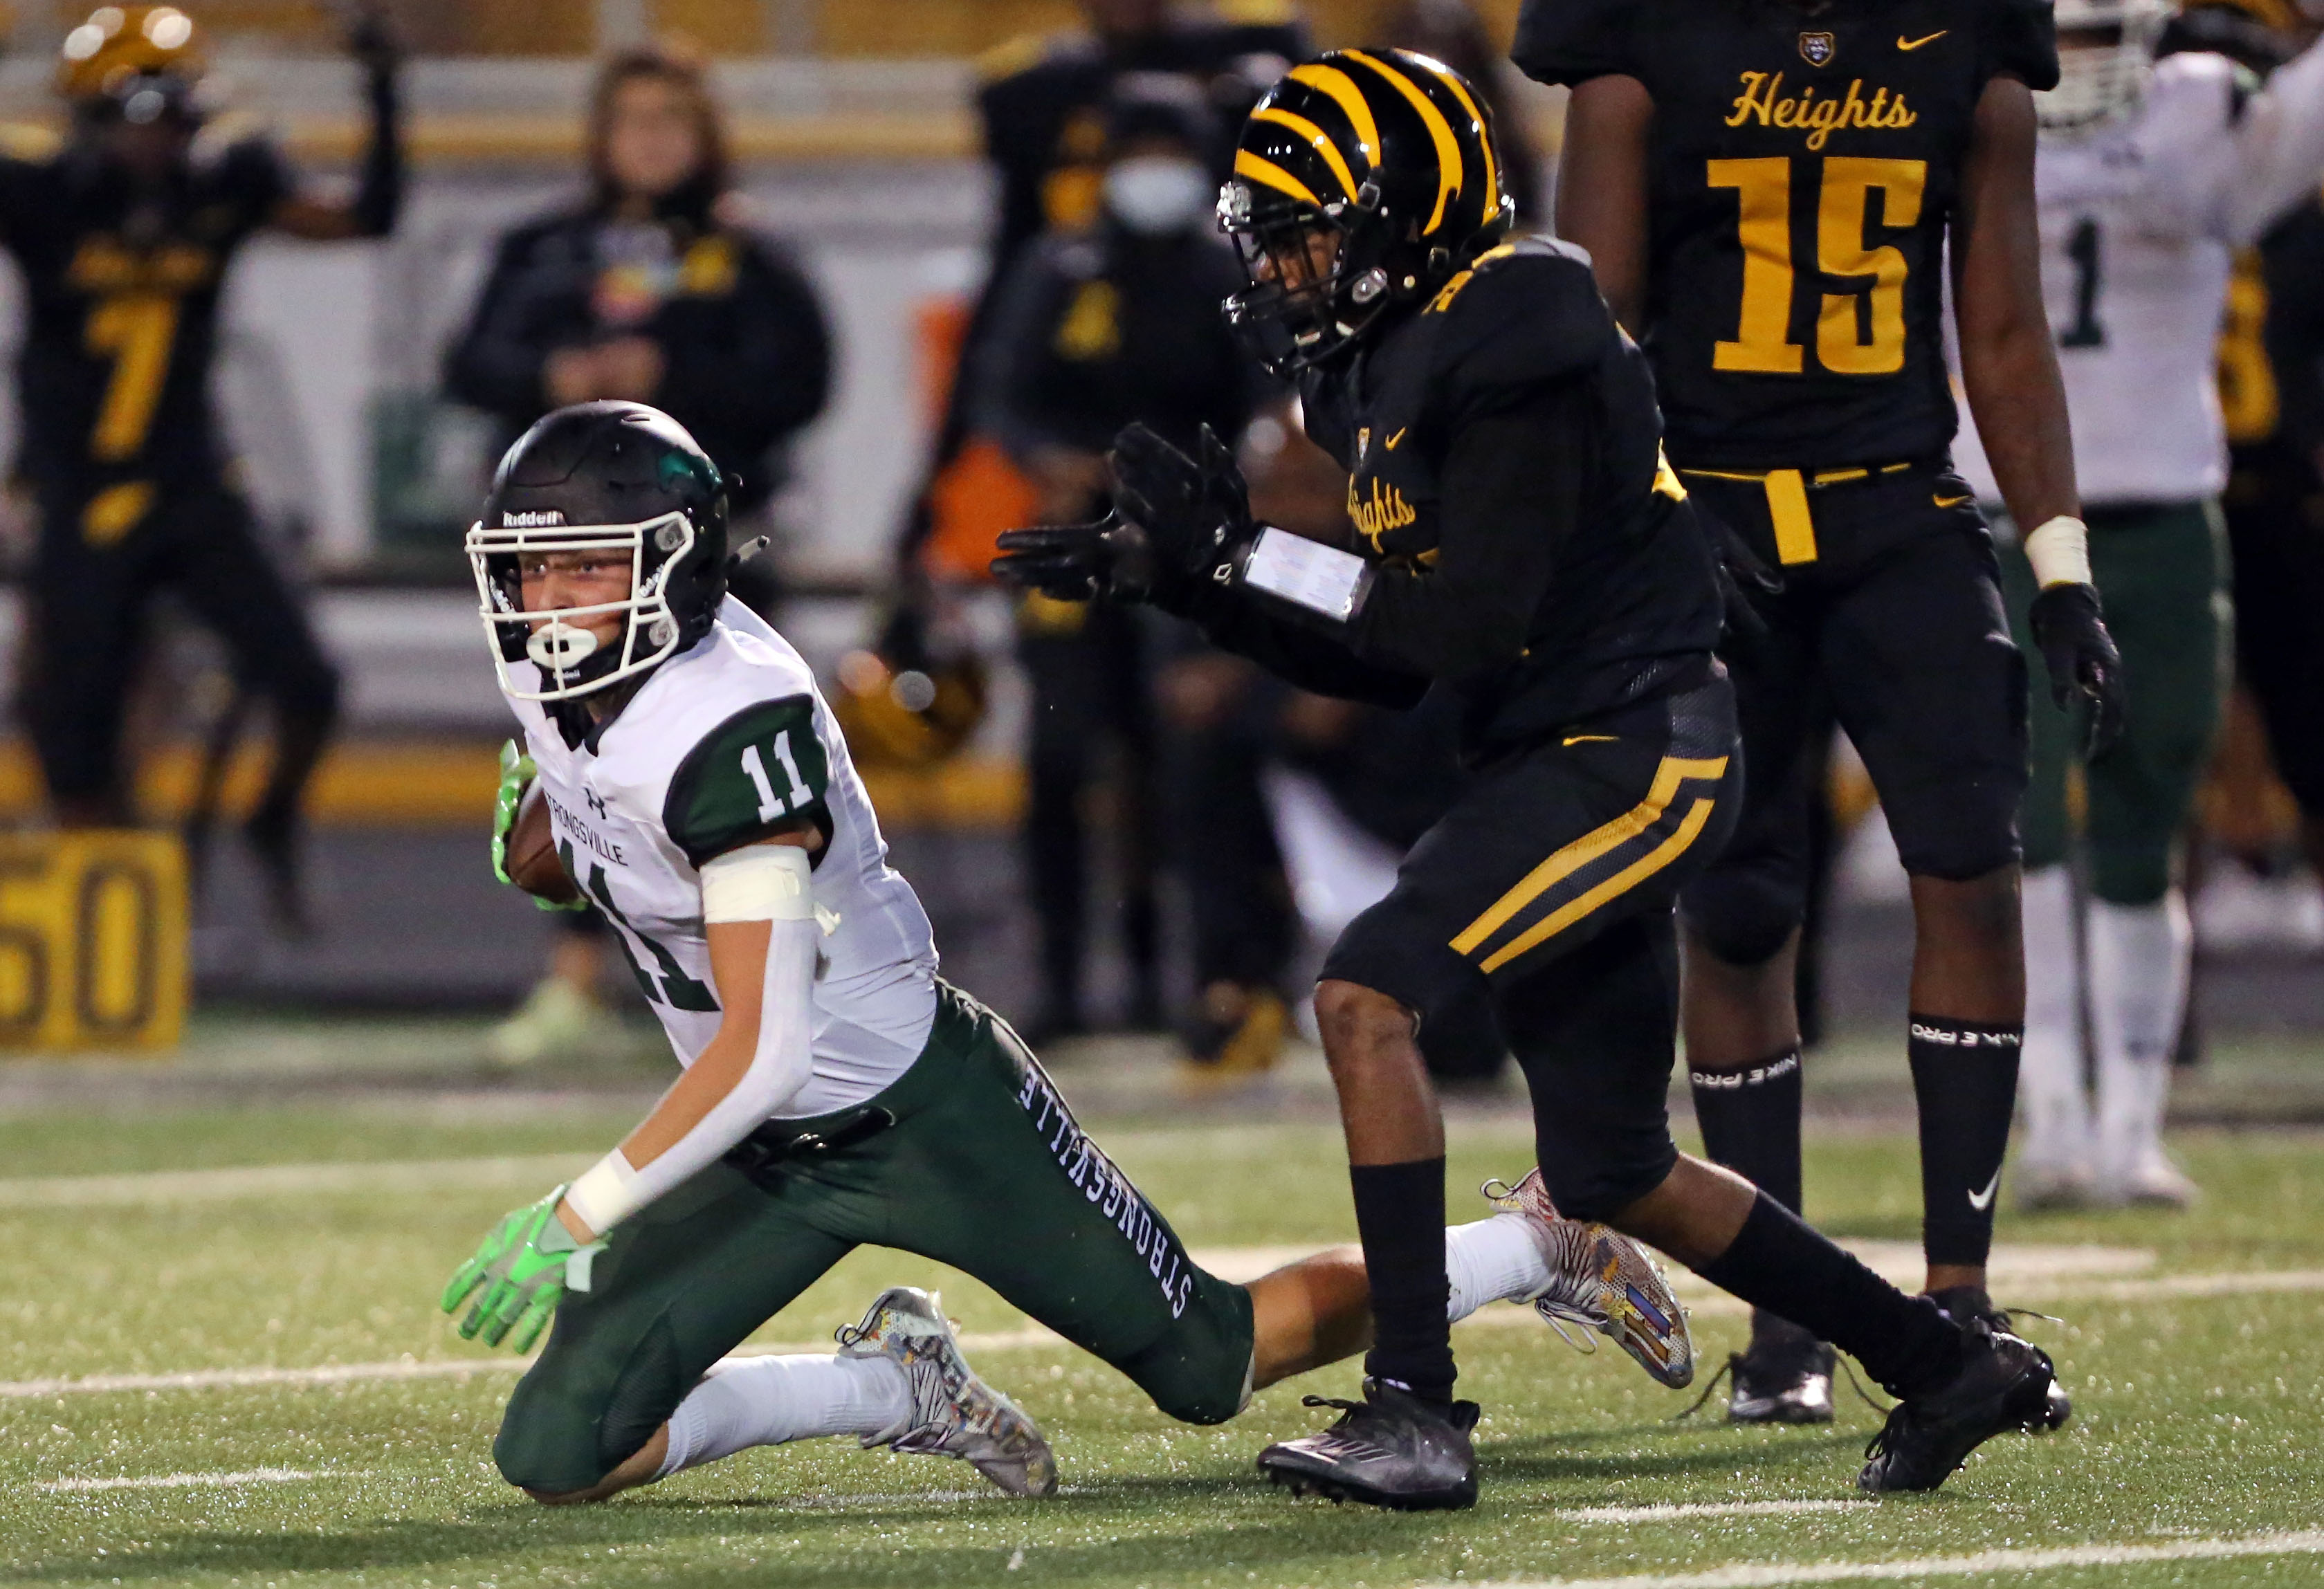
(2156, 1289)
(1671, 1513)
(1764, 1575)
(170, 1187)
(256, 1476)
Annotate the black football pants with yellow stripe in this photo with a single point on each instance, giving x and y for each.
(1552, 883)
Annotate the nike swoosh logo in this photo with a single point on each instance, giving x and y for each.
(1905, 43)
(1586, 739)
(1949, 501)
(1981, 1201)
(1396, 438)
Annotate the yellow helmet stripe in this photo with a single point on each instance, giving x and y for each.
(1259, 169)
(1342, 89)
(1449, 171)
(1323, 144)
(1484, 137)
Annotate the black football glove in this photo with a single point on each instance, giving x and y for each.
(1196, 511)
(2085, 668)
(1110, 560)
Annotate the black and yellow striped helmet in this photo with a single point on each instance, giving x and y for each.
(1363, 181)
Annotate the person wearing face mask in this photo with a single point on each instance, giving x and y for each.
(649, 288)
(1092, 329)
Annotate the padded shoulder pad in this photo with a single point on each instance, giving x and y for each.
(761, 770)
(2019, 37)
(1573, 41)
(1526, 315)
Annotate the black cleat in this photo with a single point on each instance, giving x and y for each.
(1783, 1376)
(1963, 1303)
(1390, 1449)
(2003, 1385)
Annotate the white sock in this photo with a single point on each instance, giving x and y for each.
(2139, 996)
(767, 1400)
(1494, 1260)
(2050, 1065)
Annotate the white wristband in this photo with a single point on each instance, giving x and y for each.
(1308, 574)
(760, 883)
(2059, 551)
(605, 1194)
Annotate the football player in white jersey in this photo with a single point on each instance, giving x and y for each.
(835, 1090)
(2150, 174)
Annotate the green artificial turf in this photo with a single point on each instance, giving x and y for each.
(2198, 1415)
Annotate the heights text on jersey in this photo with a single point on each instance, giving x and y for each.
(1805, 167)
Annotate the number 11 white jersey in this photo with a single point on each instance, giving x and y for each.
(721, 744)
(2139, 220)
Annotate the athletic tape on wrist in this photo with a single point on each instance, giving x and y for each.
(1308, 574)
(605, 1194)
(2060, 552)
(763, 883)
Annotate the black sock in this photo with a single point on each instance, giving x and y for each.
(1400, 1217)
(1778, 1263)
(1965, 1080)
(1750, 1122)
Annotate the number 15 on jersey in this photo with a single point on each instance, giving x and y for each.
(1857, 333)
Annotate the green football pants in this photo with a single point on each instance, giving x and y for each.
(983, 1169)
(2162, 571)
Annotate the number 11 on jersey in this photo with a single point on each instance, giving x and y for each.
(770, 804)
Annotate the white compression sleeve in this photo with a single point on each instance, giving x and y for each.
(1494, 1260)
(767, 882)
(2049, 1066)
(768, 1401)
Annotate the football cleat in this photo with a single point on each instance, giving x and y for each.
(1390, 1449)
(954, 1412)
(1601, 1280)
(2042, 1187)
(2003, 1385)
(1783, 1376)
(2150, 1181)
(1962, 1303)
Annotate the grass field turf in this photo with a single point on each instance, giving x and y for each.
(2197, 1415)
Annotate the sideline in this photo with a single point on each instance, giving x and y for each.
(1762, 1575)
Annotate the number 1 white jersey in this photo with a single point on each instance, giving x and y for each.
(719, 744)
(2139, 221)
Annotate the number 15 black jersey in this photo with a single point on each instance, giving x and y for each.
(1805, 166)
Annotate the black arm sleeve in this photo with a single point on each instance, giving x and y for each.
(379, 194)
(2293, 255)
(1570, 42)
(1513, 485)
(1318, 662)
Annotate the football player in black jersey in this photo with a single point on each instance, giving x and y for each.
(125, 233)
(1769, 190)
(1516, 537)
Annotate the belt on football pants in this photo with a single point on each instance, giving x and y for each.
(1788, 499)
(778, 1140)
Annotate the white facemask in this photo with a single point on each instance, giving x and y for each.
(1154, 194)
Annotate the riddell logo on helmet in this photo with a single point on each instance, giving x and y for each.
(545, 518)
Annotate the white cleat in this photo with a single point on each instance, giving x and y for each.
(1602, 1281)
(2040, 1187)
(2150, 1182)
(954, 1412)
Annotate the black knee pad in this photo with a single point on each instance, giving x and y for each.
(1586, 1182)
(1744, 913)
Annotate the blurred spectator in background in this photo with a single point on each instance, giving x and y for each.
(1042, 108)
(651, 287)
(1092, 327)
(125, 234)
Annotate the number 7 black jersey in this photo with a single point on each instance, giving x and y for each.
(1805, 168)
(121, 288)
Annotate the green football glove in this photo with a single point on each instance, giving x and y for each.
(524, 1267)
(516, 776)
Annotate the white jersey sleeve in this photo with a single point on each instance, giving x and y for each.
(721, 745)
